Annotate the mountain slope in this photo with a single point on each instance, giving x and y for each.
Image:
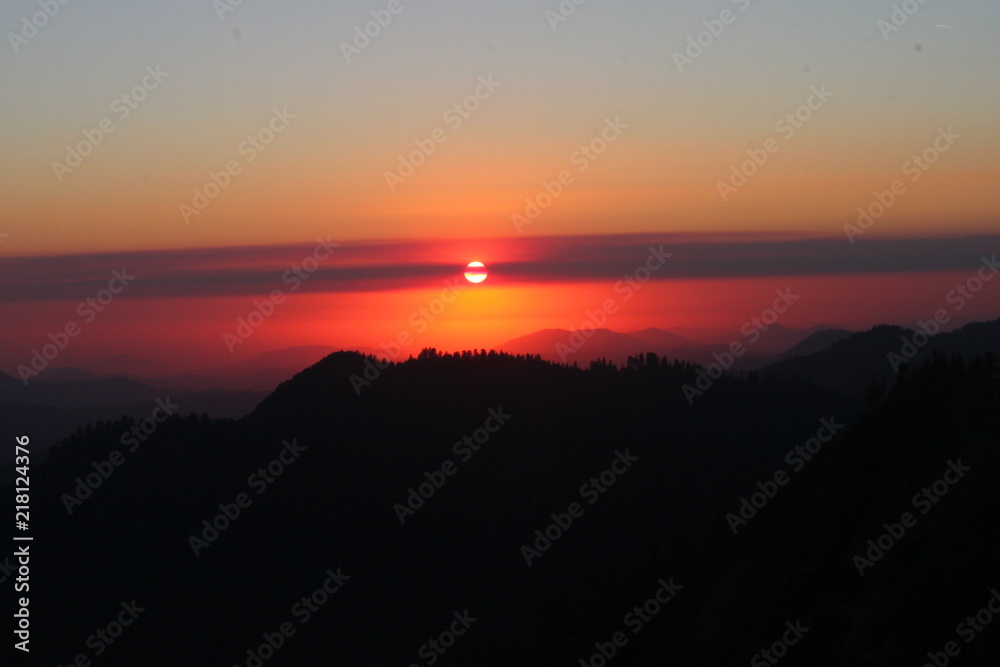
(654, 478)
(335, 505)
(855, 363)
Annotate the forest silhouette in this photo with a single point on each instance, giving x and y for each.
(357, 456)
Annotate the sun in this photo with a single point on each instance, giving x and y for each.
(475, 272)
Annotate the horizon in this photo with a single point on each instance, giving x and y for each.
(689, 349)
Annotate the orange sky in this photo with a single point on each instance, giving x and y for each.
(190, 331)
(254, 131)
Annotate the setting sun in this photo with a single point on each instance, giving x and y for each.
(475, 272)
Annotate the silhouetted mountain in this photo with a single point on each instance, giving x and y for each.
(49, 411)
(855, 363)
(296, 358)
(62, 374)
(655, 476)
(122, 392)
(817, 342)
(658, 339)
(832, 549)
(778, 339)
(46, 425)
(261, 372)
(79, 393)
(263, 380)
(126, 364)
(976, 338)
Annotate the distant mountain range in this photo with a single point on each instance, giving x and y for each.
(853, 363)
(52, 409)
(849, 362)
(262, 372)
(61, 399)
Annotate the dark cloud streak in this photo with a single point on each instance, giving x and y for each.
(406, 264)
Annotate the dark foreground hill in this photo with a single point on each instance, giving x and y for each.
(563, 509)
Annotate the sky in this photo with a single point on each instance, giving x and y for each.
(204, 147)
